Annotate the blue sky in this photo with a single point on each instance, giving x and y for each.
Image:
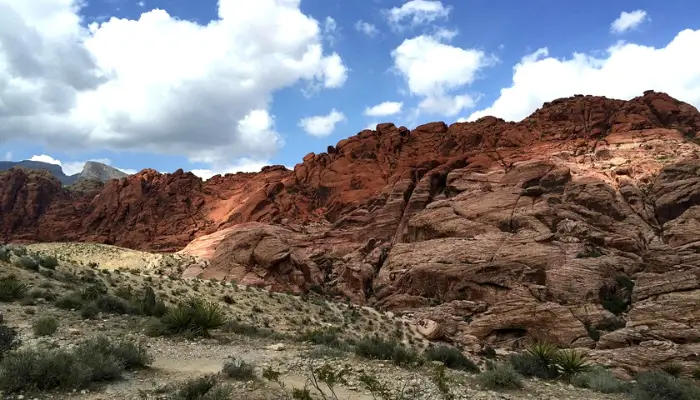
(233, 85)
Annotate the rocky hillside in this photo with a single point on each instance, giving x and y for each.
(92, 171)
(580, 224)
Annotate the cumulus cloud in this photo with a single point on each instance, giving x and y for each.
(433, 70)
(74, 167)
(366, 28)
(384, 109)
(628, 21)
(628, 70)
(157, 83)
(322, 125)
(417, 12)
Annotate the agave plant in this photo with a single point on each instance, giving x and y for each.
(570, 362)
(544, 351)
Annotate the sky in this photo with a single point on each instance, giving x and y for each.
(231, 85)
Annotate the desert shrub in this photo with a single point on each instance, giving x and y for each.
(324, 336)
(70, 301)
(672, 368)
(27, 262)
(8, 339)
(599, 379)
(45, 326)
(5, 254)
(658, 385)
(113, 305)
(196, 316)
(42, 294)
(205, 387)
(150, 305)
(48, 262)
(241, 328)
(238, 369)
(96, 359)
(500, 376)
(451, 357)
(11, 289)
(379, 349)
(89, 311)
(696, 373)
(617, 296)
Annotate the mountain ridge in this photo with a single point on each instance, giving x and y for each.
(92, 170)
(579, 225)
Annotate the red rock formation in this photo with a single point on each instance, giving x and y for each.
(580, 223)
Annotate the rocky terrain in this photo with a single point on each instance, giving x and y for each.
(579, 225)
(65, 301)
(92, 171)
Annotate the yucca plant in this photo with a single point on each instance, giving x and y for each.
(570, 362)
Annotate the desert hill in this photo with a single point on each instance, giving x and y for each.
(580, 223)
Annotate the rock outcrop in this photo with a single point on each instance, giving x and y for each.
(580, 224)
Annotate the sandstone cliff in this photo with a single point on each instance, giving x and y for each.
(580, 223)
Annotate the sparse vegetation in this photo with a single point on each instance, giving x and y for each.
(450, 357)
(11, 289)
(380, 349)
(599, 379)
(658, 385)
(45, 326)
(239, 370)
(94, 360)
(500, 376)
(8, 339)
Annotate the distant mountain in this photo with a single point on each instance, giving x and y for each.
(91, 171)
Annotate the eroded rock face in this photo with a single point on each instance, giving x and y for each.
(580, 224)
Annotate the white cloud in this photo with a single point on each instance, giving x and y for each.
(322, 125)
(141, 4)
(628, 21)
(417, 12)
(628, 70)
(330, 30)
(7, 156)
(384, 109)
(157, 83)
(366, 28)
(74, 167)
(243, 165)
(433, 70)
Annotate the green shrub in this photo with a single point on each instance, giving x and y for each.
(673, 369)
(27, 262)
(71, 301)
(500, 376)
(48, 262)
(45, 326)
(538, 360)
(324, 336)
(5, 254)
(241, 328)
(89, 311)
(451, 357)
(599, 379)
(113, 305)
(8, 339)
(196, 316)
(570, 362)
(658, 385)
(379, 349)
(11, 289)
(239, 370)
(202, 388)
(96, 359)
